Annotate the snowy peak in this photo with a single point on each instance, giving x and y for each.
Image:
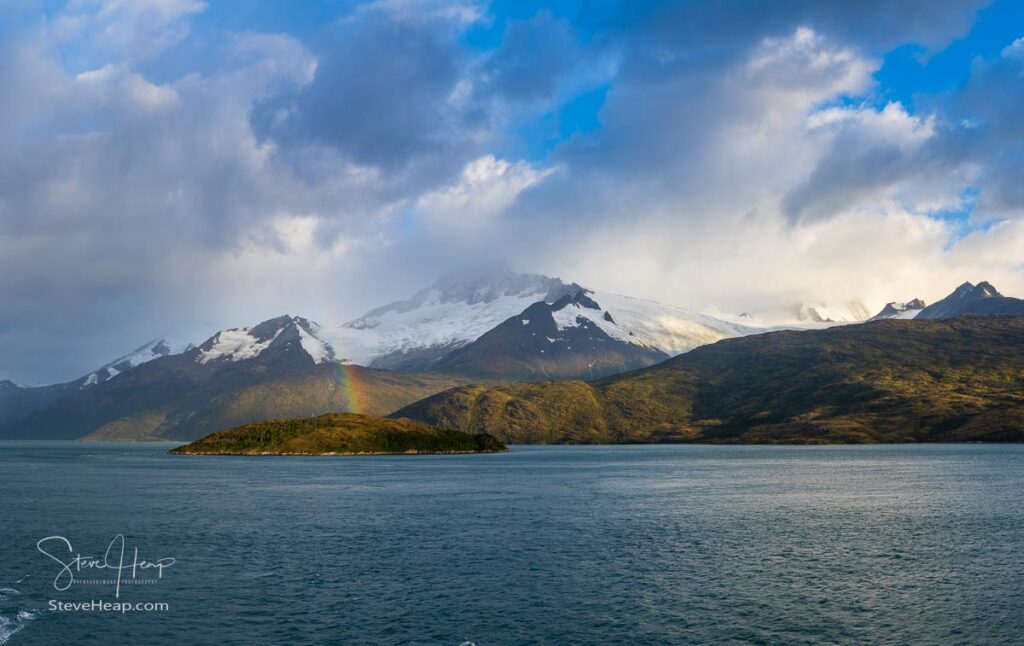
(488, 287)
(586, 334)
(318, 350)
(235, 344)
(161, 347)
(667, 329)
(895, 310)
(570, 338)
(581, 311)
(575, 301)
(416, 333)
(241, 344)
(470, 290)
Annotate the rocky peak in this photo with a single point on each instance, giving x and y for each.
(579, 297)
(985, 289)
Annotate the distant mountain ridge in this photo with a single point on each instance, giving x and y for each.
(159, 347)
(17, 401)
(166, 389)
(982, 299)
(453, 331)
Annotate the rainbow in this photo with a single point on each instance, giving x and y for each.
(355, 397)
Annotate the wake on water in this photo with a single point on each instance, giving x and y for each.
(12, 617)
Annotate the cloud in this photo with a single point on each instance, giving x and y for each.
(868, 155)
(805, 62)
(769, 177)
(112, 180)
(541, 58)
(386, 90)
(136, 29)
(483, 190)
(992, 100)
(1014, 49)
(746, 157)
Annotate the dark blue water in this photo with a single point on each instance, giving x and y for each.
(558, 545)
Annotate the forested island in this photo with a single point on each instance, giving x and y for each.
(340, 434)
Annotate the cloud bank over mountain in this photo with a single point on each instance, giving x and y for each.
(169, 164)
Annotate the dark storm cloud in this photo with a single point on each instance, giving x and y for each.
(992, 102)
(385, 91)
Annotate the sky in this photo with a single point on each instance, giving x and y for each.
(181, 166)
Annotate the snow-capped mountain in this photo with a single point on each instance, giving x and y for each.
(571, 338)
(278, 368)
(416, 333)
(587, 335)
(667, 328)
(500, 326)
(286, 332)
(161, 347)
(902, 311)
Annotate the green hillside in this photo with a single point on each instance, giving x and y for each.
(953, 380)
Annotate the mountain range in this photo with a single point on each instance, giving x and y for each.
(420, 333)
(489, 328)
(392, 356)
(957, 379)
(982, 299)
(274, 369)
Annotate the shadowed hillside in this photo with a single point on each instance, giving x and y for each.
(176, 398)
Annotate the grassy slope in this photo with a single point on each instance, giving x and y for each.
(888, 381)
(339, 433)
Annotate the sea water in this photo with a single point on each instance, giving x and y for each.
(554, 545)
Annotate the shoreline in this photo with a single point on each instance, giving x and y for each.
(342, 454)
